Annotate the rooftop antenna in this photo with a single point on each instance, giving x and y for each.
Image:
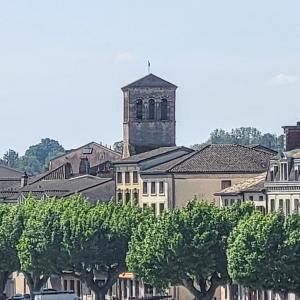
(149, 65)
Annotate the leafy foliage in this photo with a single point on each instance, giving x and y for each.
(186, 247)
(255, 252)
(36, 157)
(244, 136)
(96, 239)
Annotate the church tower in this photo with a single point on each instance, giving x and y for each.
(149, 115)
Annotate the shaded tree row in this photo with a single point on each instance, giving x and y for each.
(40, 238)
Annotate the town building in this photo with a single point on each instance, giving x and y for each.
(10, 181)
(283, 179)
(149, 115)
(214, 168)
(136, 189)
(250, 190)
(91, 158)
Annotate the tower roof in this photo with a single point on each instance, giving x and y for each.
(149, 81)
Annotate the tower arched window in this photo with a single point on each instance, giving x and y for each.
(139, 109)
(164, 109)
(151, 109)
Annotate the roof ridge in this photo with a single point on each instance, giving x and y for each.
(85, 145)
(148, 76)
(10, 168)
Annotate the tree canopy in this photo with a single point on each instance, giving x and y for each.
(263, 253)
(36, 158)
(186, 247)
(244, 136)
(96, 239)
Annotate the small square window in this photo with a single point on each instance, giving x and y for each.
(225, 184)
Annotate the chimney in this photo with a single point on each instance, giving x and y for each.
(24, 180)
(291, 137)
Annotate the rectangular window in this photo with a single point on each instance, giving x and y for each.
(78, 288)
(296, 205)
(272, 175)
(251, 198)
(127, 198)
(226, 202)
(161, 208)
(225, 290)
(261, 198)
(153, 188)
(145, 188)
(287, 207)
(225, 184)
(72, 285)
(284, 171)
(135, 198)
(232, 201)
(65, 285)
(296, 175)
(161, 187)
(135, 177)
(272, 205)
(153, 207)
(120, 196)
(281, 204)
(127, 177)
(119, 177)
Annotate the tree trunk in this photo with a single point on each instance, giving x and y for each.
(99, 296)
(35, 282)
(200, 294)
(3, 280)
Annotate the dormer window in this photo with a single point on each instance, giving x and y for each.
(296, 173)
(283, 171)
(87, 150)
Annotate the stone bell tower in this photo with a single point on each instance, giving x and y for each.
(149, 115)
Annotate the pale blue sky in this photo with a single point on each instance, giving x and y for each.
(62, 64)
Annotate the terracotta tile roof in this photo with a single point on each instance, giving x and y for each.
(225, 159)
(254, 184)
(150, 80)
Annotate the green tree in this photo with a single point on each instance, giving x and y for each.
(40, 244)
(44, 151)
(11, 158)
(9, 233)
(186, 247)
(255, 253)
(244, 136)
(118, 146)
(96, 239)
